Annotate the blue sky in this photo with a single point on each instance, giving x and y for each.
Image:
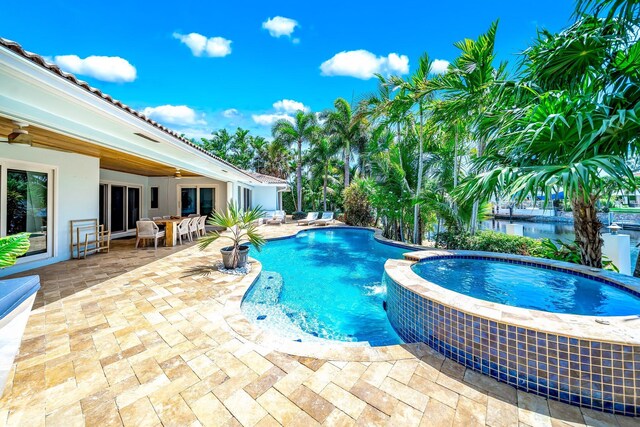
(200, 66)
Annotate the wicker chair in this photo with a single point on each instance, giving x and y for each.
(183, 230)
(148, 230)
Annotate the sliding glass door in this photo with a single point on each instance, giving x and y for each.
(26, 205)
(119, 207)
(197, 200)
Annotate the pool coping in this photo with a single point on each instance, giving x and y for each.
(329, 350)
(623, 330)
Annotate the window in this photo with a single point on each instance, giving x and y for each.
(244, 198)
(247, 199)
(26, 206)
(198, 200)
(120, 207)
(154, 197)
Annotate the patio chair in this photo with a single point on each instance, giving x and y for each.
(183, 230)
(193, 226)
(166, 216)
(282, 215)
(310, 219)
(327, 218)
(278, 218)
(192, 215)
(202, 225)
(148, 230)
(145, 219)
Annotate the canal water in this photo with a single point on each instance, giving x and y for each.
(555, 231)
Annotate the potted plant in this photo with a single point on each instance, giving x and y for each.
(242, 227)
(11, 247)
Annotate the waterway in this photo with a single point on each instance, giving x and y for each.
(556, 231)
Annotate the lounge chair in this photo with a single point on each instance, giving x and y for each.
(309, 220)
(327, 218)
(277, 219)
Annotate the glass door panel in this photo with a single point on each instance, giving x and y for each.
(207, 201)
(188, 201)
(27, 207)
(103, 205)
(117, 208)
(133, 207)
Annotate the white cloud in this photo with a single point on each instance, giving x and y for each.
(439, 66)
(174, 114)
(270, 119)
(106, 68)
(363, 64)
(231, 113)
(202, 46)
(280, 26)
(289, 106)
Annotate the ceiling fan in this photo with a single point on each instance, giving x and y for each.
(19, 135)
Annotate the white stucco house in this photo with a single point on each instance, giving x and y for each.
(86, 155)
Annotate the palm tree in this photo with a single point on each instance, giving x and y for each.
(322, 153)
(347, 130)
(468, 87)
(572, 123)
(302, 129)
(416, 90)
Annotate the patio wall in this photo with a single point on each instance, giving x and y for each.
(75, 194)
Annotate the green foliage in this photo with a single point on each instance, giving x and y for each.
(238, 227)
(12, 247)
(288, 204)
(491, 241)
(357, 208)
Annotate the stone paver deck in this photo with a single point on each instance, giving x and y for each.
(138, 337)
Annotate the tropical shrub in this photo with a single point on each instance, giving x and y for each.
(357, 208)
(11, 247)
(491, 241)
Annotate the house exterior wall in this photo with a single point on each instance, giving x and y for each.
(75, 195)
(266, 197)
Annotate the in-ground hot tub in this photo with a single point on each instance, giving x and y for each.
(552, 328)
(16, 300)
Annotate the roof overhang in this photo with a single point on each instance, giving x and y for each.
(33, 94)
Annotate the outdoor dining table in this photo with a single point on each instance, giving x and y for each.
(170, 229)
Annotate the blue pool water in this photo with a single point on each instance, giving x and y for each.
(323, 284)
(529, 287)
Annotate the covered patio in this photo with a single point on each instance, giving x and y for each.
(146, 338)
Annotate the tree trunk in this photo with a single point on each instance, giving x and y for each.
(347, 155)
(417, 237)
(299, 175)
(587, 229)
(324, 187)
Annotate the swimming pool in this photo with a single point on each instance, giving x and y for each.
(323, 284)
(527, 286)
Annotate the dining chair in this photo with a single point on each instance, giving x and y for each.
(193, 225)
(183, 230)
(148, 230)
(202, 229)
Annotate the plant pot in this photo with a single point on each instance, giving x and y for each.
(227, 256)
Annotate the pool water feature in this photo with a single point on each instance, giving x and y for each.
(529, 287)
(324, 284)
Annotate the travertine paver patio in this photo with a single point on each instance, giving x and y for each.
(138, 337)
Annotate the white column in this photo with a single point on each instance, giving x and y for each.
(231, 191)
(617, 248)
(515, 229)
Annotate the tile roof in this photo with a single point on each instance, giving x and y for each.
(267, 179)
(39, 60)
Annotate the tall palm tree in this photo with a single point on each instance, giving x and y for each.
(469, 86)
(322, 153)
(302, 129)
(347, 130)
(416, 90)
